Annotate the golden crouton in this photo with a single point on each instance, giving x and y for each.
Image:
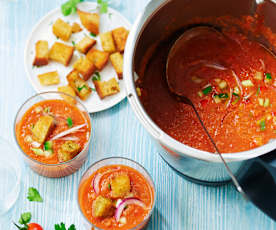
(85, 67)
(41, 53)
(98, 58)
(102, 207)
(107, 88)
(107, 42)
(80, 86)
(117, 61)
(61, 53)
(68, 90)
(68, 150)
(42, 128)
(76, 28)
(91, 21)
(50, 78)
(120, 37)
(85, 44)
(62, 30)
(120, 186)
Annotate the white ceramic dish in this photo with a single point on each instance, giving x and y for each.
(43, 31)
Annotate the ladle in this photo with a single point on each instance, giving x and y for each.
(179, 95)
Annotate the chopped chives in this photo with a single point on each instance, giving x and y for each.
(69, 122)
(235, 94)
(258, 90)
(262, 125)
(223, 95)
(268, 76)
(207, 90)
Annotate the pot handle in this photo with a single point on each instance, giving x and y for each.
(258, 181)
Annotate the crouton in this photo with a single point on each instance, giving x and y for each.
(91, 21)
(50, 78)
(61, 53)
(68, 150)
(108, 44)
(85, 67)
(98, 58)
(42, 128)
(120, 37)
(107, 88)
(76, 28)
(102, 207)
(117, 61)
(120, 186)
(81, 88)
(68, 90)
(41, 53)
(85, 44)
(62, 30)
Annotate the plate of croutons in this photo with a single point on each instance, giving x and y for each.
(80, 54)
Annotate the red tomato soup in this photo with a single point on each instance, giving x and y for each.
(45, 131)
(232, 82)
(112, 188)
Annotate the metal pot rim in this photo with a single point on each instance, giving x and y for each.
(147, 122)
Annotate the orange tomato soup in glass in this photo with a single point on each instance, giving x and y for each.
(53, 131)
(116, 197)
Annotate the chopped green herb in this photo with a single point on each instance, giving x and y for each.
(96, 76)
(33, 195)
(48, 146)
(109, 186)
(70, 7)
(25, 218)
(268, 76)
(235, 94)
(82, 87)
(103, 6)
(69, 122)
(73, 43)
(92, 34)
(262, 125)
(61, 226)
(223, 95)
(258, 91)
(207, 90)
(93, 89)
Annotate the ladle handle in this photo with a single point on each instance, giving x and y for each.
(258, 180)
(234, 179)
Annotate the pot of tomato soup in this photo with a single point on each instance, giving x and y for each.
(231, 79)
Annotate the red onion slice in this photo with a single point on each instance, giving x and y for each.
(215, 66)
(68, 131)
(97, 179)
(126, 202)
(238, 81)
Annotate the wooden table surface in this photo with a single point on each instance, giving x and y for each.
(180, 205)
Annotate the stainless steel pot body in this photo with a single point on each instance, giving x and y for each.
(160, 18)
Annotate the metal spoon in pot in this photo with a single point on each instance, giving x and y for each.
(176, 90)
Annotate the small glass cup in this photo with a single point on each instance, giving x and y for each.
(10, 174)
(60, 169)
(117, 161)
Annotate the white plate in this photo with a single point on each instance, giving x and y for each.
(43, 31)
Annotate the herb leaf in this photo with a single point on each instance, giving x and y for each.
(103, 6)
(70, 7)
(207, 90)
(69, 122)
(72, 227)
(268, 76)
(223, 95)
(262, 125)
(258, 91)
(61, 226)
(96, 76)
(80, 88)
(33, 195)
(25, 218)
(92, 34)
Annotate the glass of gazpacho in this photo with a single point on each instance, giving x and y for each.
(53, 131)
(116, 193)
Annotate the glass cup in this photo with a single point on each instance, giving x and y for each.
(117, 161)
(10, 174)
(60, 169)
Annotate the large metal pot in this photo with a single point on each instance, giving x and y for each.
(171, 15)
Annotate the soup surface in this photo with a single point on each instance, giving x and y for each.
(53, 131)
(106, 190)
(232, 82)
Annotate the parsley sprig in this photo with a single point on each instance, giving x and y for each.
(70, 7)
(61, 226)
(25, 218)
(103, 6)
(33, 195)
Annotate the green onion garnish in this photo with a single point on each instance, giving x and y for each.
(80, 88)
(207, 90)
(258, 91)
(69, 122)
(73, 43)
(109, 186)
(96, 76)
(93, 35)
(262, 125)
(223, 95)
